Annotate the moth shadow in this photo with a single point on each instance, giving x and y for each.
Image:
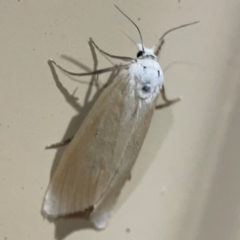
(65, 226)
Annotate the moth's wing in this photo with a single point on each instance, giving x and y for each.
(135, 124)
(100, 157)
(83, 172)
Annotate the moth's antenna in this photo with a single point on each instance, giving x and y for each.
(171, 30)
(133, 24)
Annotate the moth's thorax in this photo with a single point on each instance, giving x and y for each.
(146, 77)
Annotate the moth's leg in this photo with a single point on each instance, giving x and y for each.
(117, 67)
(167, 101)
(60, 144)
(110, 55)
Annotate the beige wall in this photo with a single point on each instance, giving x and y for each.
(185, 185)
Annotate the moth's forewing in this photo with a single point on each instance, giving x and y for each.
(134, 126)
(99, 159)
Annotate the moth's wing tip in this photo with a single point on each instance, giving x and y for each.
(47, 213)
(44, 213)
(45, 210)
(48, 209)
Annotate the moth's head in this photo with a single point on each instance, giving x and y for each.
(144, 52)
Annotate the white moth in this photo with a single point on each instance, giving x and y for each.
(99, 159)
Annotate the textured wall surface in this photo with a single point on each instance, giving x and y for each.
(185, 185)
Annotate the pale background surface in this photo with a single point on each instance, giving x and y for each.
(185, 185)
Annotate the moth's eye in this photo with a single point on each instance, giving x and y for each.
(158, 73)
(146, 88)
(140, 53)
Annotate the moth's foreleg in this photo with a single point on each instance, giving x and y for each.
(167, 101)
